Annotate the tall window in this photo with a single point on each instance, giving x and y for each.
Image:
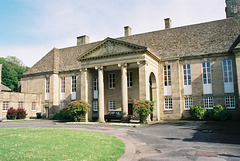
(206, 77)
(47, 86)
(188, 102)
(228, 76)
(33, 106)
(208, 102)
(168, 103)
(95, 105)
(74, 87)
(62, 84)
(206, 73)
(95, 88)
(187, 74)
(5, 106)
(230, 102)
(111, 81)
(20, 104)
(112, 106)
(129, 79)
(167, 75)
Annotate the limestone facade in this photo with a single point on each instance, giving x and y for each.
(175, 67)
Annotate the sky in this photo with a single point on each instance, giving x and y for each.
(29, 29)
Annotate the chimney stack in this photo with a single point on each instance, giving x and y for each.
(0, 74)
(81, 40)
(168, 23)
(127, 31)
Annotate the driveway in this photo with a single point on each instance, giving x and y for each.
(180, 140)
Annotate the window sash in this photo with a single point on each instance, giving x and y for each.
(187, 74)
(33, 106)
(5, 105)
(188, 102)
(62, 84)
(129, 79)
(227, 71)
(112, 106)
(168, 103)
(95, 84)
(111, 80)
(95, 105)
(20, 105)
(167, 75)
(208, 102)
(74, 85)
(229, 101)
(47, 85)
(206, 73)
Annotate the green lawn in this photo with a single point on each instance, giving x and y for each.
(57, 144)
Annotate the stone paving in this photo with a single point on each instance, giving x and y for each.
(179, 140)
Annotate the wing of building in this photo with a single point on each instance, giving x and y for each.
(176, 67)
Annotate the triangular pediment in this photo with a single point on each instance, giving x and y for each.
(111, 47)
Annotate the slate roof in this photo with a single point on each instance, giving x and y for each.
(4, 88)
(200, 39)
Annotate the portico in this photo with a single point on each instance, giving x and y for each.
(113, 74)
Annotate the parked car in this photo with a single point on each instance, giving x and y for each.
(116, 115)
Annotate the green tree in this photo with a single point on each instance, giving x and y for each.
(12, 71)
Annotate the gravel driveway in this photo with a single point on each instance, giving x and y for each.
(179, 140)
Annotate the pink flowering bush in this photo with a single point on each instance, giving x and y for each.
(77, 109)
(144, 108)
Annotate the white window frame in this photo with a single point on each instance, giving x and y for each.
(5, 106)
(187, 79)
(34, 106)
(168, 104)
(228, 76)
(95, 105)
(74, 87)
(207, 78)
(188, 102)
(62, 88)
(111, 79)
(112, 105)
(47, 88)
(208, 102)
(129, 79)
(95, 88)
(230, 102)
(167, 80)
(20, 104)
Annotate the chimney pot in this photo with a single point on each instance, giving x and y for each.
(168, 23)
(127, 31)
(81, 40)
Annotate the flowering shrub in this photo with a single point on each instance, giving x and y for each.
(21, 113)
(77, 109)
(11, 113)
(144, 108)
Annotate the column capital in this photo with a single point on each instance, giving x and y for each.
(143, 62)
(83, 70)
(122, 64)
(99, 67)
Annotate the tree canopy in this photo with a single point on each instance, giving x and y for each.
(12, 70)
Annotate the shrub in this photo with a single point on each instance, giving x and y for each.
(144, 108)
(63, 115)
(21, 113)
(219, 113)
(198, 112)
(11, 114)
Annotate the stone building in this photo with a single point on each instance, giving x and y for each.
(30, 102)
(232, 8)
(176, 67)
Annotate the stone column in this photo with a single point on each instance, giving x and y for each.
(100, 94)
(124, 91)
(143, 82)
(84, 88)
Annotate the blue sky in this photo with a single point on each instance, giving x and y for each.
(31, 28)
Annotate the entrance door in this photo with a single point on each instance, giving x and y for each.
(130, 109)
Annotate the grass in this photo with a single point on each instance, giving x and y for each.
(58, 144)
